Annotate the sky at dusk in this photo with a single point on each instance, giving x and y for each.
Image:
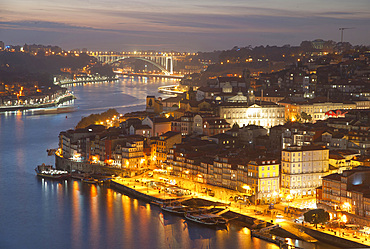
(188, 25)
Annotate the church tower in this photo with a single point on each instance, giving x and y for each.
(247, 78)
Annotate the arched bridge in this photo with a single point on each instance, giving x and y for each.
(164, 62)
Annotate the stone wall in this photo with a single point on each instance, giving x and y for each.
(331, 239)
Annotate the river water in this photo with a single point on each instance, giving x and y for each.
(39, 213)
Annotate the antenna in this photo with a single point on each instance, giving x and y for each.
(341, 33)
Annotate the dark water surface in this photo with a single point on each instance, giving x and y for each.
(38, 213)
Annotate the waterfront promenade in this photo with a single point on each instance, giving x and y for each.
(52, 103)
(158, 195)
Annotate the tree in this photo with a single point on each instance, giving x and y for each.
(94, 118)
(306, 117)
(297, 118)
(316, 216)
(287, 120)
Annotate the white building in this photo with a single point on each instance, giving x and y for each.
(302, 169)
(266, 114)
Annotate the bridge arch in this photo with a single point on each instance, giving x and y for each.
(164, 70)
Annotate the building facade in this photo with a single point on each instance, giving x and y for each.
(265, 114)
(263, 178)
(302, 168)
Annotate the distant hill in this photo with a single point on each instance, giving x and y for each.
(18, 67)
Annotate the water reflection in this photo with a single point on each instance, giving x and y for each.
(95, 216)
(39, 213)
(76, 216)
(101, 217)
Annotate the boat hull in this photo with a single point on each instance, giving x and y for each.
(178, 211)
(47, 171)
(90, 181)
(200, 221)
(55, 177)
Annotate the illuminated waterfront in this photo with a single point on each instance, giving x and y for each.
(37, 213)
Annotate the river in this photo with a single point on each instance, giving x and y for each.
(39, 213)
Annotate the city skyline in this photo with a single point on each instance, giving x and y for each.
(186, 26)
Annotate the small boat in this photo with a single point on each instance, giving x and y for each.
(206, 219)
(90, 180)
(47, 171)
(175, 209)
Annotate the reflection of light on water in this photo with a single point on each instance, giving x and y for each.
(127, 215)
(45, 185)
(76, 216)
(148, 210)
(110, 219)
(95, 217)
(93, 191)
(246, 231)
(135, 204)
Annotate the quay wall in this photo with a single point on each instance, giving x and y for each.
(132, 192)
(331, 239)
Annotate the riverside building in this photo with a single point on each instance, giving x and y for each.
(263, 177)
(302, 168)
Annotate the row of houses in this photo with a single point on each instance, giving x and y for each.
(111, 147)
(347, 193)
(298, 173)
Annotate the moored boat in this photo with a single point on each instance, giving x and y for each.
(47, 171)
(90, 180)
(206, 219)
(175, 209)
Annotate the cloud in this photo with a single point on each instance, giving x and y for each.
(204, 27)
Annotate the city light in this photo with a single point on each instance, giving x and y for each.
(346, 206)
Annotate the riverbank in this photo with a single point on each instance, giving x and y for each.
(135, 185)
(86, 80)
(139, 189)
(60, 100)
(136, 188)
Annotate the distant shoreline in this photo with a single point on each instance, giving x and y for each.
(87, 80)
(38, 106)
